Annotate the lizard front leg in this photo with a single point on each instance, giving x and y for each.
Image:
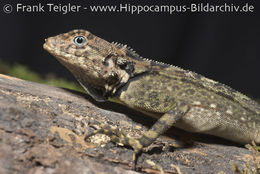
(161, 126)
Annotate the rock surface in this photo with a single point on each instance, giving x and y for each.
(42, 131)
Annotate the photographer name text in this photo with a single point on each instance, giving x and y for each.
(50, 7)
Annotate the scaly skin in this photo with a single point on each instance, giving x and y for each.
(175, 96)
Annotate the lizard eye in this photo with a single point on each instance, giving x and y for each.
(80, 40)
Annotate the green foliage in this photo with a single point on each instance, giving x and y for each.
(23, 72)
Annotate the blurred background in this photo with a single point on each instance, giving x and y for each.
(223, 46)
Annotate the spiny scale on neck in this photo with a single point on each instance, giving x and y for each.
(132, 53)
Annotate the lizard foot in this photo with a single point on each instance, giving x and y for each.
(119, 136)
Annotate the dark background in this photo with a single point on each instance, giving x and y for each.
(222, 46)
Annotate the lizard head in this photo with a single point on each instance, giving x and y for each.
(99, 66)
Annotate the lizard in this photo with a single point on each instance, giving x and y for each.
(176, 97)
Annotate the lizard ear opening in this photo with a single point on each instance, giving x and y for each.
(126, 65)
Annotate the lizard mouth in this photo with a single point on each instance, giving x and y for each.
(49, 46)
(46, 46)
(52, 47)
